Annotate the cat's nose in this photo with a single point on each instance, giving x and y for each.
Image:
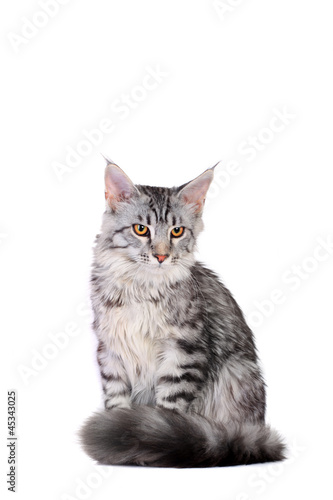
(160, 258)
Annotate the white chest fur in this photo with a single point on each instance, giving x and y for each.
(135, 333)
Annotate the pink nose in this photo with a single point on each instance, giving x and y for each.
(160, 258)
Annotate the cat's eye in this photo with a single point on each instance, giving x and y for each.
(177, 231)
(141, 230)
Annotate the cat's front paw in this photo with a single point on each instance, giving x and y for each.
(111, 404)
(179, 406)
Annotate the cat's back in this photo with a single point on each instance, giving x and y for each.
(214, 293)
(224, 321)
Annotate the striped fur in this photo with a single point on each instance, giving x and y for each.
(180, 374)
(158, 437)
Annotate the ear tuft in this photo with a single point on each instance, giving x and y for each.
(118, 187)
(194, 192)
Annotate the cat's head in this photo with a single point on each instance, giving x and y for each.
(151, 229)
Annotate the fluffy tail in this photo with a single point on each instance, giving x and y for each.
(163, 438)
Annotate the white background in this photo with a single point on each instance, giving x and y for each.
(225, 76)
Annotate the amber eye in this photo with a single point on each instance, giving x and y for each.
(177, 231)
(141, 230)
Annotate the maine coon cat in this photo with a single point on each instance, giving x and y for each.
(179, 369)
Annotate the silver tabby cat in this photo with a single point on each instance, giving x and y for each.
(179, 369)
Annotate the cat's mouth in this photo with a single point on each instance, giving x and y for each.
(158, 262)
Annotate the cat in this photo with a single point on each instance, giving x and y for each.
(181, 380)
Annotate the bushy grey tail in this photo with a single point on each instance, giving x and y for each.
(158, 437)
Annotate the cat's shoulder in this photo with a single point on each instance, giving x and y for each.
(210, 283)
(203, 273)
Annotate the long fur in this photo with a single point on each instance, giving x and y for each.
(180, 373)
(159, 437)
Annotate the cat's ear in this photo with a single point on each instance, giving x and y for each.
(118, 187)
(194, 192)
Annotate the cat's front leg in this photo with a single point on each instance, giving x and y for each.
(115, 382)
(179, 380)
